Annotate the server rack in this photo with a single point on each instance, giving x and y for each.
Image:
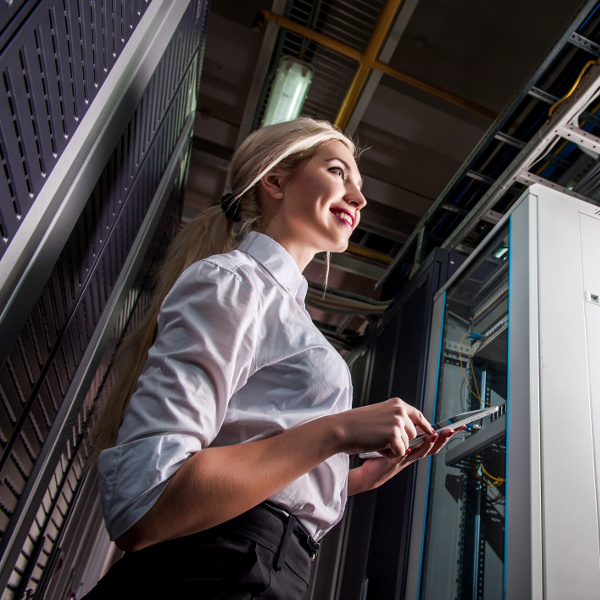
(366, 553)
(510, 508)
(95, 131)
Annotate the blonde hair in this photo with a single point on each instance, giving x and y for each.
(284, 145)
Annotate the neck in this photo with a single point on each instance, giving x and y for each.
(301, 255)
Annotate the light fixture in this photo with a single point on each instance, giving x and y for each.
(288, 92)
(501, 251)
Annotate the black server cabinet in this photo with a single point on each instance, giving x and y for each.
(365, 556)
(96, 115)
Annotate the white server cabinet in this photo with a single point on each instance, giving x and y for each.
(510, 509)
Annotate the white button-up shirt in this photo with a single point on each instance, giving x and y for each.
(236, 358)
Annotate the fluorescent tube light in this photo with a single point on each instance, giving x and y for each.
(288, 92)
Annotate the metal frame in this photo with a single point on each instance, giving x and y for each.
(368, 60)
(561, 125)
(413, 578)
(416, 242)
(552, 528)
(33, 251)
(73, 277)
(14, 537)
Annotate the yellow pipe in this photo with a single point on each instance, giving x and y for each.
(373, 254)
(313, 35)
(366, 64)
(434, 90)
(358, 56)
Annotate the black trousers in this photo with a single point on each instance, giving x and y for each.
(255, 555)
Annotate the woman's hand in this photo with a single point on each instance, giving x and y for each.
(376, 471)
(386, 426)
(219, 483)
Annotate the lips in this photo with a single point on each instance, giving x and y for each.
(343, 215)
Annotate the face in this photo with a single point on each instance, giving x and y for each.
(320, 204)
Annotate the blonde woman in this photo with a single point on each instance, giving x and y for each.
(233, 412)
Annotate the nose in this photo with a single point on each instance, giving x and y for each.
(355, 197)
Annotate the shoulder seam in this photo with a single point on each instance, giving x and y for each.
(231, 272)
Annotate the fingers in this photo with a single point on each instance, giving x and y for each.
(398, 448)
(425, 447)
(417, 420)
(373, 472)
(416, 416)
(408, 418)
(404, 420)
(434, 443)
(387, 427)
(384, 427)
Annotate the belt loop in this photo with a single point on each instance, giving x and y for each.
(285, 540)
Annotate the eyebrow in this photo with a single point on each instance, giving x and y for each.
(347, 167)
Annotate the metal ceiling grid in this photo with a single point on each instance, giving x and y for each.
(471, 203)
(350, 24)
(466, 210)
(333, 74)
(342, 20)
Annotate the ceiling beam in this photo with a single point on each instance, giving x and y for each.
(387, 51)
(260, 74)
(367, 62)
(355, 54)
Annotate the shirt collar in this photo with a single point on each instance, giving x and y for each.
(276, 260)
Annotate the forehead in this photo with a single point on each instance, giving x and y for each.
(336, 148)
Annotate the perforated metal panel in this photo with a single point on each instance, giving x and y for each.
(44, 542)
(50, 73)
(42, 459)
(8, 10)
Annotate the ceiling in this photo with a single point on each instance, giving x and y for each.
(461, 63)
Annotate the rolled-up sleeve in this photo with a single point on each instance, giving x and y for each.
(203, 353)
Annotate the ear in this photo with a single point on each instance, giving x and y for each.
(273, 183)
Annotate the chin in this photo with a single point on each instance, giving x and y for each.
(340, 248)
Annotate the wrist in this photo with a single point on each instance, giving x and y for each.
(336, 435)
(356, 483)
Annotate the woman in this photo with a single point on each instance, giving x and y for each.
(231, 461)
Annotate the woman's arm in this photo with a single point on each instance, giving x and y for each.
(217, 484)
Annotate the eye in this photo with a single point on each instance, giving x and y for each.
(338, 171)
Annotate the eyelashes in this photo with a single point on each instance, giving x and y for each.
(339, 171)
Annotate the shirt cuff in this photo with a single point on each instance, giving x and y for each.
(132, 476)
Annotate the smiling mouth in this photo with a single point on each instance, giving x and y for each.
(342, 215)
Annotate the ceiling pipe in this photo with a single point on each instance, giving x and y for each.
(395, 34)
(311, 34)
(366, 65)
(386, 19)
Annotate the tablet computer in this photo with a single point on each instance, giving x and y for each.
(454, 422)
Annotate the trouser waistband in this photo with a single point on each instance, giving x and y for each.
(303, 535)
(276, 529)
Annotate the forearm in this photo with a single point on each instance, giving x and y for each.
(217, 484)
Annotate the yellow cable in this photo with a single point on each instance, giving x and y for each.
(477, 395)
(581, 74)
(490, 481)
(496, 481)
